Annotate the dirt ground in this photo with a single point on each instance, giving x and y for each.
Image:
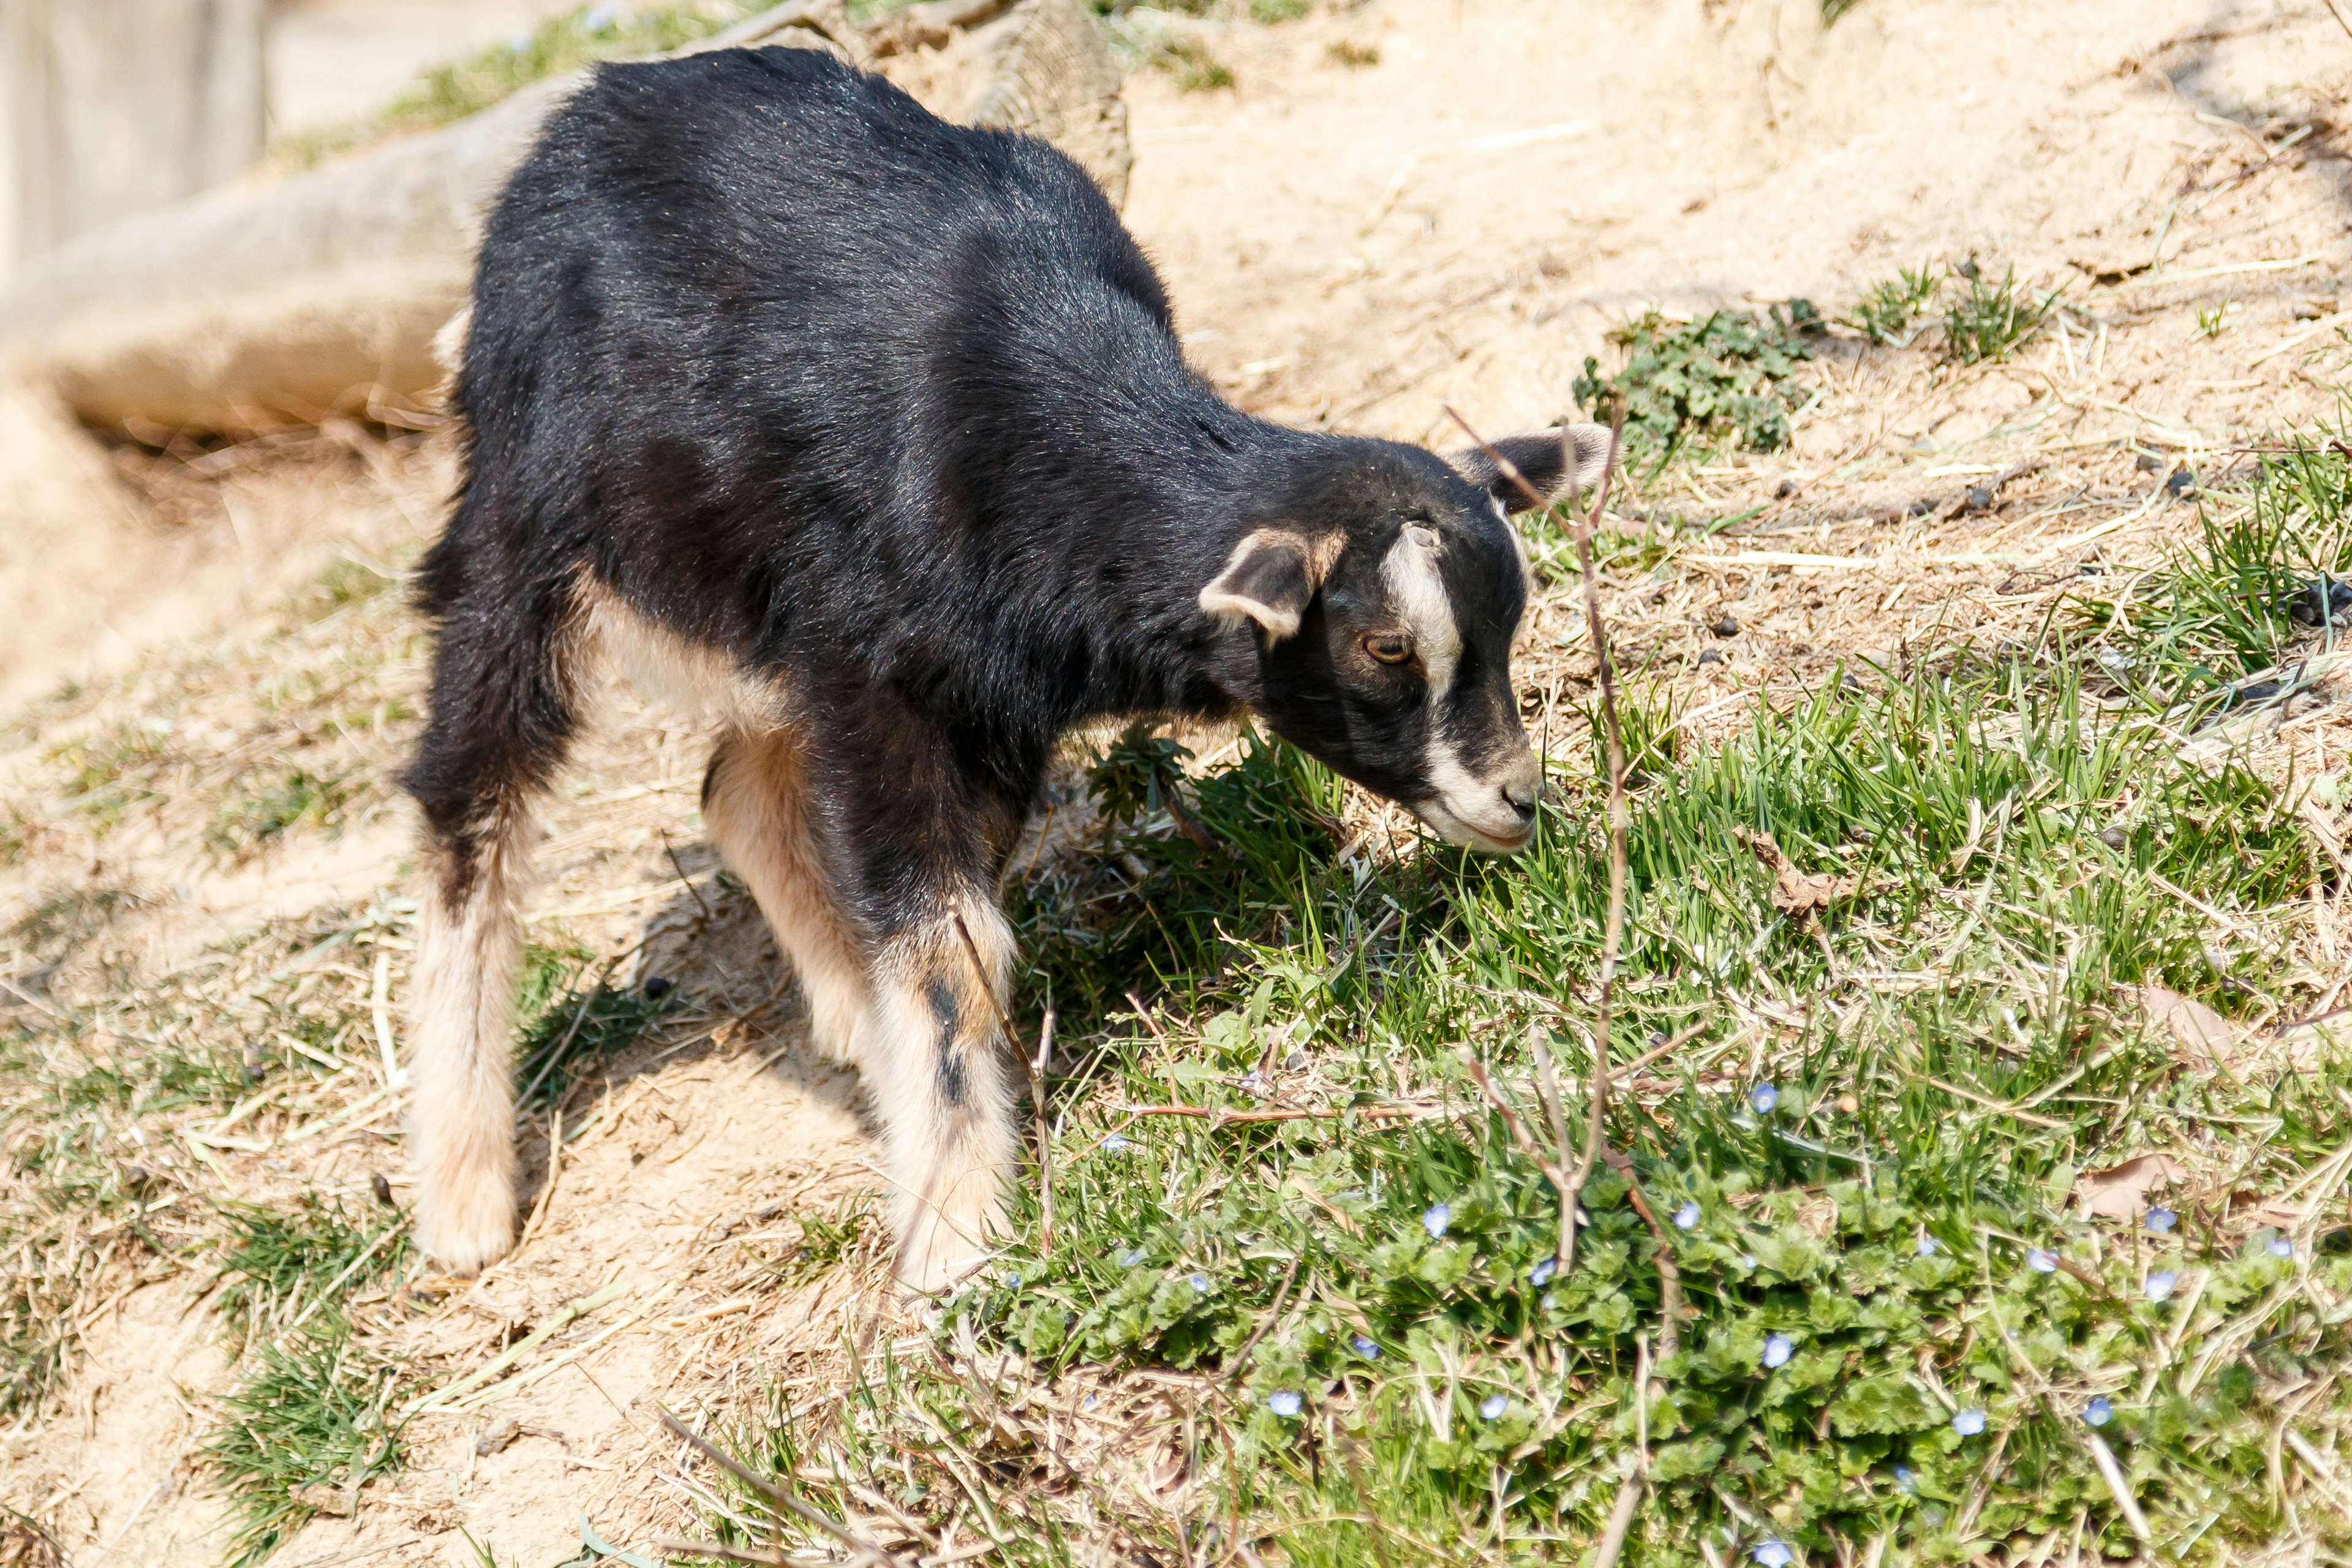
(1349, 245)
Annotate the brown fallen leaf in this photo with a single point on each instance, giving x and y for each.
(2121, 1192)
(1795, 892)
(2190, 1022)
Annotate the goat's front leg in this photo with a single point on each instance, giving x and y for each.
(939, 1079)
(922, 834)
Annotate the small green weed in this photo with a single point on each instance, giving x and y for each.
(2211, 319)
(1989, 321)
(1728, 377)
(1351, 55)
(1886, 311)
(247, 825)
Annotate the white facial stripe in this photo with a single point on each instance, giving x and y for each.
(1519, 548)
(1417, 589)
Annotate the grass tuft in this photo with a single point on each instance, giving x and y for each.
(311, 1418)
(1989, 321)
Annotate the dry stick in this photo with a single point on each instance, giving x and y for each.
(1033, 1070)
(1612, 934)
(1670, 1278)
(2342, 21)
(774, 1492)
(679, 866)
(1621, 1521)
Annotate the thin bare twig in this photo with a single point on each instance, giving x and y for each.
(1612, 935)
(1670, 1278)
(1621, 1519)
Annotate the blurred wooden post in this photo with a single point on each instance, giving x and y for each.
(118, 106)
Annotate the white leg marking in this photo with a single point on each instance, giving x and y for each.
(462, 1119)
(938, 1076)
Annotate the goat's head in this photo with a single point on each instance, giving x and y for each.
(1370, 622)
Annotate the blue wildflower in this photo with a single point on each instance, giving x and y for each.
(1284, 1402)
(1927, 1246)
(1773, 1555)
(1366, 1348)
(1436, 1220)
(2160, 1284)
(1494, 1406)
(2282, 1247)
(1764, 1097)
(1201, 1283)
(1117, 1143)
(1551, 1299)
(2040, 1260)
(1776, 1350)
(1012, 1282)
(1542, 1272)
(1969, 1422)
(2099, 1412)
(1130, 1257)
(2161, 1219)
(1687, 1217)
(1905, 1481)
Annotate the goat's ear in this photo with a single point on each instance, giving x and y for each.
(1269, 578)
(1547, 460)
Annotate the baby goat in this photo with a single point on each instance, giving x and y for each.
(874, 433)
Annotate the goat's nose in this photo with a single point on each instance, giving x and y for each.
(1521, 795)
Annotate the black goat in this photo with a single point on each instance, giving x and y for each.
(875, 430)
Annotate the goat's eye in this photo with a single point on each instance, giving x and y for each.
(1388, 647)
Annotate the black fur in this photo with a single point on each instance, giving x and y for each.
(894, 409)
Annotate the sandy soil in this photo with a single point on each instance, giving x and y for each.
(1351, 246)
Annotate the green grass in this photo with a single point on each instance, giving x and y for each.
(1874, 1258)
(309, 1409)
(246, 824)
(2219, 609)
(108, 775)
(276, 1266)
(474, 82)
(314, 1411)
(1989, 321)
(1726, 379)
(564, 1031)
(1885, 311)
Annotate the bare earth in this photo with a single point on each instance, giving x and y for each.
(1349, 247)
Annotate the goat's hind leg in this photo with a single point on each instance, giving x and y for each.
(756, 802)
(503, 713)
